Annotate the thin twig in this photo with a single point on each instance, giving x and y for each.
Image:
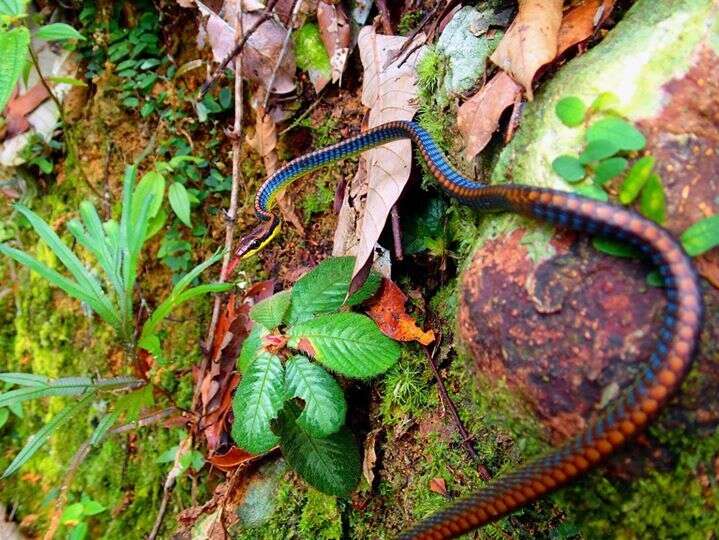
(66, 130)
(296, 6)
(304, 114)
(396, 233)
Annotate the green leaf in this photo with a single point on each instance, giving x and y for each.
(597, 150)
(605, 102)
(24, 379)
(251, 347)
(66, 386)
(79, 531)
(72, 81)
(653, 202)
(701, 236)
(58, 32)
(635, 180)
(37, 440)
(4, 415)
(348, 343)
(569, 168)
(168, 456)
(655, 279)
(12, 8)
(613, 247)
(608, 169)
(257, 401)
(103, 426)
(624, 135)
(91, 508)
(152, 185)
(72, 513)
(180, 202)
(570, 111)
(156, 224)
(13, 51)
(325, 405)
(324, 289)
(331, 464)
(271, 311)
(132, 403)
(593, 192)
(310, 52)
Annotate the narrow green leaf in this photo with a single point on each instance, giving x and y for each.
(597, 150)
(58, 32)
(4, 415)
(72, 81)
(66, 386)
(331, 464)
(270, 312)
(701, 236)
(570, 110)
(180, 202)
(13, 51)
(593, 192)
(635, 180)
(569, 168)
(325, 288)
(103, 426)
(325, 405)
(24, 379)
(653, 202)
(617, 130)
(37, 440)
(257, 401)
(348, 343)
(251, 347)
(608, 169)
(613, 247)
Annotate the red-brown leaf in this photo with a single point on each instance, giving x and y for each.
(438, 485)
(232, 458)
(580, 22)
(388, 311)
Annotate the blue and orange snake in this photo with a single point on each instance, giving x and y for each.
(631, 412)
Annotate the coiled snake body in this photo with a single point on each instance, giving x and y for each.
(629, 413)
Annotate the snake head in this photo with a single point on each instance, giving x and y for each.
(257, 238)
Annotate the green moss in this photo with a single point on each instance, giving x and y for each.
(409, 21)
(320, 517)
(405, 389)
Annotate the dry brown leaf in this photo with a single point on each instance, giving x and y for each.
(20, 106)
(580, 22)
(389, 90)
(478, 117)
(260, 52)
(232, 458)
(336, 35)
(708, 266)
(438, 485)
(531, 40)
(387, 309)
(370, 456)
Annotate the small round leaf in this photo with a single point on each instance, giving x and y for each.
(569, 168)
(570, 111)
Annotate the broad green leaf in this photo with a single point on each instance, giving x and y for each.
(325, 405)
(91, 508)
(597, 150)
(325, 287)
(331, 464)
(24, 379)
(180, 202)
(12, 8)
(348, 343)
(79, 531)
(593, 192)
(613, 247)
(168, 456)
(58, 32)
(569, 168)
(37, 440)
(72, 513)
(257, 401)
(156, 223)
(271, 311)
(151, 184)
(608, 169)
(251, 347)
(653, 202)
(13, 51)
(624, 135)
(570, 110)
(636, 178)
(701, 236)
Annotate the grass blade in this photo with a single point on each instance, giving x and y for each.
(24, 379)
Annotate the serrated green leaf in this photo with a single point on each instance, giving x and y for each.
(701, 236)
(271, 311)
(251, 347)
(348, 343)
(325, 405)
(13, 51)
(570, 110)
(258, 399)
(180, 202)
(608, 169)
(37, 440)
(653, 202)
(323, 290)
(613, 247)
(636, 178)
(331, 464)
(597, 150)
(569, 168)
(624, 135)
(58, 32)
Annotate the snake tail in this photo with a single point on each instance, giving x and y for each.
(637, 405)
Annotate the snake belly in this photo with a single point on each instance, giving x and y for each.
(628, 414)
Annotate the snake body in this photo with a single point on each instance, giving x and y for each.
(634, 409)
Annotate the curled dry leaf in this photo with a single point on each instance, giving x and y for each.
(478, 117)
(234, 457)
(388, 311)
(438, 485)
(389, 90)
(531, 40)
(260, 52)
(370, 456)
(336, 34)
(580, 22)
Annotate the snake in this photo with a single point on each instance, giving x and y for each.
(630, 412)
